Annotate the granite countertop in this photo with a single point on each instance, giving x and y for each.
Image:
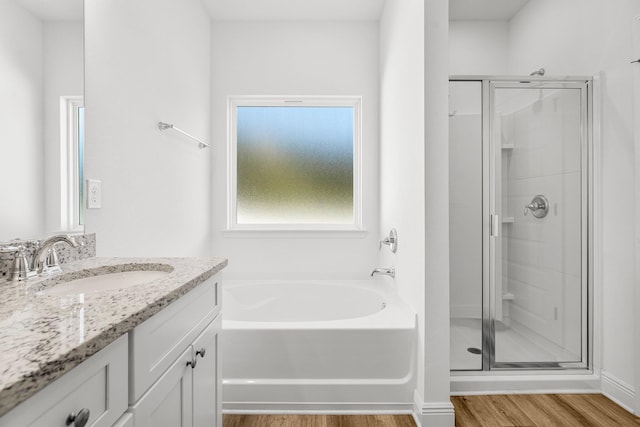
(43, 336)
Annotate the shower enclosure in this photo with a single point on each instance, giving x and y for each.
(520, 153)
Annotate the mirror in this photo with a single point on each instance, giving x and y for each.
(41, 92)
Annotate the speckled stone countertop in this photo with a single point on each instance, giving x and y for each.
(43, 336)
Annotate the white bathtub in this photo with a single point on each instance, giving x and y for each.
(316, 345)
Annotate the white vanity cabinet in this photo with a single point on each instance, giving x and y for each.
(174, 366)
(164, 372)
(96, 386)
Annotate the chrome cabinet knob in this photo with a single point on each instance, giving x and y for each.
(201, 352)
(80, 419)
(192, 363)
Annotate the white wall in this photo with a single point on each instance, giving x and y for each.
(593, 37)
(478, 47)
(636, 134)
(414, 168)
(148, 61)
(296, 58)
(402, 148)
(63, 76)
(21, 94)
(436, 89)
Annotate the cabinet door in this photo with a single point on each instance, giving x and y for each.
(206, 377)
(168, 402)
(156, 343)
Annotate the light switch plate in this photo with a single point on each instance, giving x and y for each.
(94, 194)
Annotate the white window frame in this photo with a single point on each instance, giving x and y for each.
(233, 102)
(69, 174)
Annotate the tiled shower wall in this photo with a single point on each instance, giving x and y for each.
(541, 258)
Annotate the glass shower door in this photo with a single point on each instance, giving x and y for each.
(537, 260)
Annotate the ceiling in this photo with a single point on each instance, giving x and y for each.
(58, 10)
(295, 10)
(484, 10)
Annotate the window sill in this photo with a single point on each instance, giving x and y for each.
(293, 234)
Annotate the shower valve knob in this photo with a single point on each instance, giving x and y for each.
(391, 241)
(539, 206)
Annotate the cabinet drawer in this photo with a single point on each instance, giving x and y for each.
(156, 343)
(98, 384)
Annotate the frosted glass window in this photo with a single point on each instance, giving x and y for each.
(295, 164)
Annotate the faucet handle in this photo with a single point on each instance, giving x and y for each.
(391, 240)
(51, 263)
(20, 270)
(73, 241)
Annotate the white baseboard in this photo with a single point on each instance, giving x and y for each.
(618, 391)
(433, 414)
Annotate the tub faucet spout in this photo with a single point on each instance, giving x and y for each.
(391, 271)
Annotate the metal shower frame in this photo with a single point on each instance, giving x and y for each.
(585, 84)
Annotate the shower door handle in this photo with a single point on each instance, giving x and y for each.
(495, 225)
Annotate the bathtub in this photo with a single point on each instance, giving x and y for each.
(333, 346)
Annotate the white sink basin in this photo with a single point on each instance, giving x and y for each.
(105, 282)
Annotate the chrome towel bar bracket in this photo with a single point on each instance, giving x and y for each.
(165, 126)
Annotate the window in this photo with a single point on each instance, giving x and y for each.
(71, 166)
(294, 163)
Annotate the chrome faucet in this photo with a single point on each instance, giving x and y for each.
(391, 271)
(45, 259)
(20, 269)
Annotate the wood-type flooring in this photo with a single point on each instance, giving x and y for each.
(530, 410)
(541, 410)
(318, 421)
